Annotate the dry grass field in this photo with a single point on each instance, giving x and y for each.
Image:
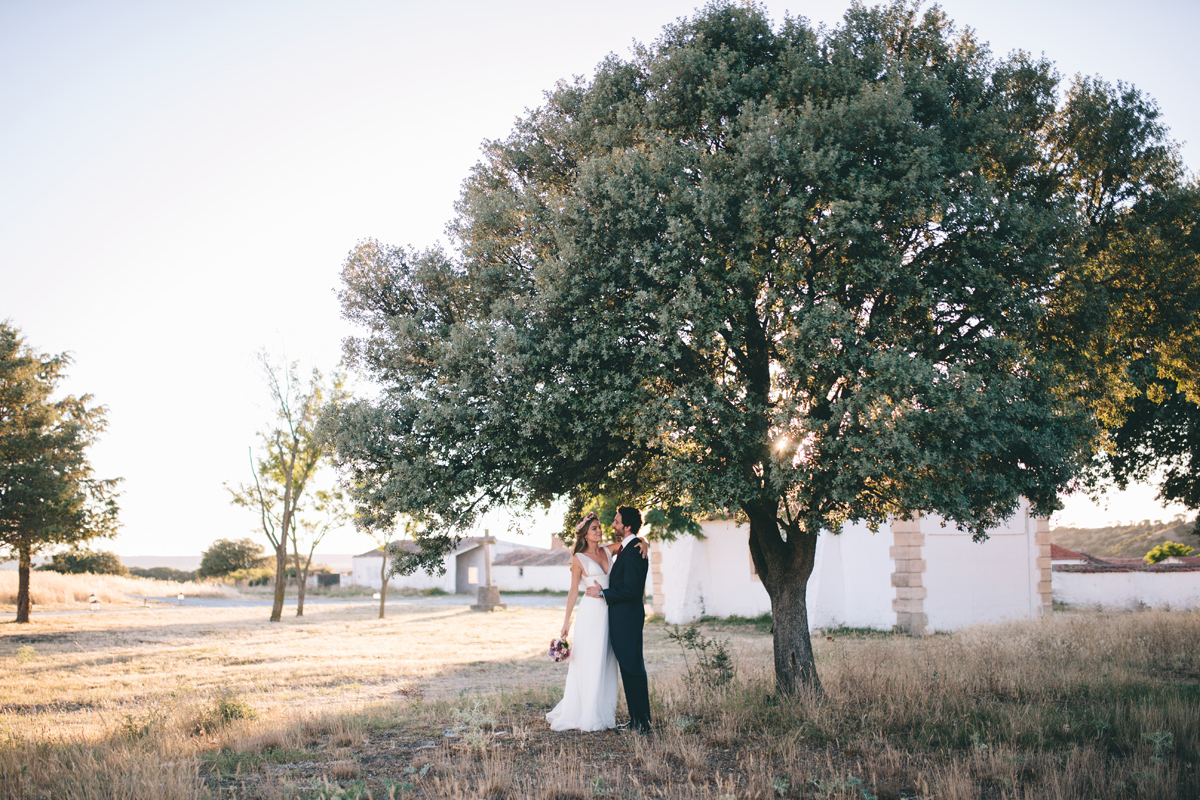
(54, 591)
(437, 701)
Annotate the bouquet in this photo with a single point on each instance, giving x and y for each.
(560, 650)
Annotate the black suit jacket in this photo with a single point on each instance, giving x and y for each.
(625, 596)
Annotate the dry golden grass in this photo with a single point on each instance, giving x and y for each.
(53, 590)
(183, 703)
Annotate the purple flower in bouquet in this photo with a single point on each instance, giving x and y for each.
(560, 650)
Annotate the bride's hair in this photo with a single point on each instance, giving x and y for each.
(581, 532)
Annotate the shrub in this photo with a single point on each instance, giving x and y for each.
(226, 707)
(1167, 550)
(258, 576)
(163, 574)
(714, 664)
(78, 562)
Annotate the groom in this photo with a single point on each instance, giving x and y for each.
(625, 596)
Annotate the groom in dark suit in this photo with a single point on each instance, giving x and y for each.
(625, 596)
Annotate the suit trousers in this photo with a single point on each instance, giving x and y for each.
(637, 697)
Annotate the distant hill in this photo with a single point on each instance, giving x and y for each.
(340, 562)
(185, 563)
(1125, 541)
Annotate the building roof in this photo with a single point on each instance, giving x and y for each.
(1164, 568)
(1096, 565)
(406, 545)
(558, 557)
(466, 543)
(1058, 553)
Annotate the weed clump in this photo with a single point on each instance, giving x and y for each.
(226, 707)
(474, 724)
(714, 663)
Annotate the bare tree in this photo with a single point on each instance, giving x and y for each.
(384, 538)
(323, 512)
(291, 453)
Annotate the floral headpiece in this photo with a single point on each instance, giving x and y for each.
(591, 515)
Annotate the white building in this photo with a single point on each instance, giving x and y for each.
(533, 570)
(915, 575)
(464, 568)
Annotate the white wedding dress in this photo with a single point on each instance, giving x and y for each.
(590, 699)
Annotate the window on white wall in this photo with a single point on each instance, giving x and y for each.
(753, 571)
(472, 574)
(520, 572)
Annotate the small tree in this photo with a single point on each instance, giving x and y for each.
(230, 555)
(292, 450)
(384, 536)
(48, 493)
(323, 512)
(78, 562)
(1168, 550)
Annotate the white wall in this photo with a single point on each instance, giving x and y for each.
(551, 578)
(969, 582)
(366, 573)
(1127, 590)
(850, 584)
(687, 584)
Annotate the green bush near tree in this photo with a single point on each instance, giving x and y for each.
(256, 576)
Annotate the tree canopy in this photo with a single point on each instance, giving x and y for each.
(807, 276)
(49, 495)
(230, 555)
(78, 561)
(1167, 550)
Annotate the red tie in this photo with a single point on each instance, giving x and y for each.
(620, 547)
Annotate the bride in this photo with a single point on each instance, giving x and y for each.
(590, 698)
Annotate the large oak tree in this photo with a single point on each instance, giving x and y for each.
(807, 276)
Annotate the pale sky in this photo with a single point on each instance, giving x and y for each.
(180, 182)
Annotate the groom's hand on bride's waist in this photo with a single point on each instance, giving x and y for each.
(593, 591)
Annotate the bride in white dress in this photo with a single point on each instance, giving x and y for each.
(590, 698)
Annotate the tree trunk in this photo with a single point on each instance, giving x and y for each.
(24, 562)
(784, 567)
(794, 663)
(301, 583)
(383, 576)
(280, 579)
(301, 575)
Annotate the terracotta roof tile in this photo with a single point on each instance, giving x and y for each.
(1098, 566)
(1058, 552)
